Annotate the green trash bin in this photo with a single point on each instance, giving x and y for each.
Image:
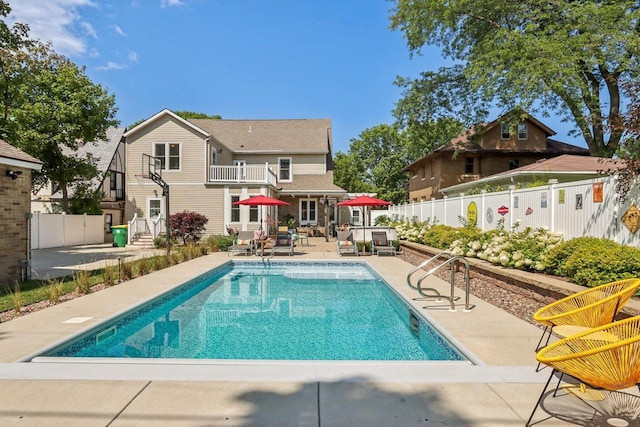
(120, 234)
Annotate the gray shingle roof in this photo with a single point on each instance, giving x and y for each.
(311, 184)
(102, 150)
(268, 136)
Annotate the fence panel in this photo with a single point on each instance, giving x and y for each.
(575, 209)
(59, 230)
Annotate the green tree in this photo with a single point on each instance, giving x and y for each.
(14, 43)
(565, 57)
(58, 108)
(374, 164)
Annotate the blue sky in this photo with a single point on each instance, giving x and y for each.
(241, 59)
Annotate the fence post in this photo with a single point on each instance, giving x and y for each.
(446, 201)
(511, 206)
(552, 205)
(483, 194)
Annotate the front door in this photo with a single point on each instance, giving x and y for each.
(155, 208)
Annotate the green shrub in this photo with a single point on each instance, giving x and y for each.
(440, 236)
(589, 261)
(219, 243)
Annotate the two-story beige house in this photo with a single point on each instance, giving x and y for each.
(210, 164)
(484, 150)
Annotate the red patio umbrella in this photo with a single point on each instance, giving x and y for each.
(363, 201)
(261, 200)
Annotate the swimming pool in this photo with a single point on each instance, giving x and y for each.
(289, 311)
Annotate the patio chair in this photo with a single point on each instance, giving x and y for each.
(380, 243)
(243, 244)
(583, 310)
(282, 244)
(302, 234)
(345, 244)
(605, 357)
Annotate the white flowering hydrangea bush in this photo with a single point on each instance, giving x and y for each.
(526, 249)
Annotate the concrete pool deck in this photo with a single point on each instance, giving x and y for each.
(500, 391)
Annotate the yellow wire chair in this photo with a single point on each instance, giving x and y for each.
(606, 357)
(583, 310)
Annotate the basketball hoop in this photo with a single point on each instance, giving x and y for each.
(140, 178)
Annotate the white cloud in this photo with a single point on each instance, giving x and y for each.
(57, 21)
(133, 57)
(169, 3)
(88, 29)
(119, 31)
(112, 66)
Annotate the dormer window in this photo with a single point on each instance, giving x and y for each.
(505, 132)
(284, 169)
(522, 131)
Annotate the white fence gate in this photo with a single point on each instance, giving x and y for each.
(575, 209)
(58, 230)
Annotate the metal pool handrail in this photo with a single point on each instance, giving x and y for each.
(448, 262)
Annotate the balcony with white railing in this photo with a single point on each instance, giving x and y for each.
(249, 174)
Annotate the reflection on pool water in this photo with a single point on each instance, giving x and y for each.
(285, 311)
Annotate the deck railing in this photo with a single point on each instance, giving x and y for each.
(251, 174)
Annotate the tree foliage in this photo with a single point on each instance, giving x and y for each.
(48, 106)
(188, 226)
(564, 57)
(374, 164)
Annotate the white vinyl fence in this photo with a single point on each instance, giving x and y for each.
(58, 230)
(574, 209)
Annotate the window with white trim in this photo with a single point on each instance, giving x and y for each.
(169, 155)
(235, 209)
(505, 131)
(308, 211)
(522, 131)
(253, 213)
(284, 169)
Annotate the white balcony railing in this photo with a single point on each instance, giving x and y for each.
(250, 174)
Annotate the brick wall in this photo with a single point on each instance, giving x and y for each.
(16, 203)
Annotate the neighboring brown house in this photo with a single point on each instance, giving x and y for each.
(484, 150)
(15, 193)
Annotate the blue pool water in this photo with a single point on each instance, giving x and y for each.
(290, 311)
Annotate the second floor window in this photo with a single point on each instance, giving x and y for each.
(424, 172)
(505, 133)
(169, 154)
(522, 131)
(284, 169)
